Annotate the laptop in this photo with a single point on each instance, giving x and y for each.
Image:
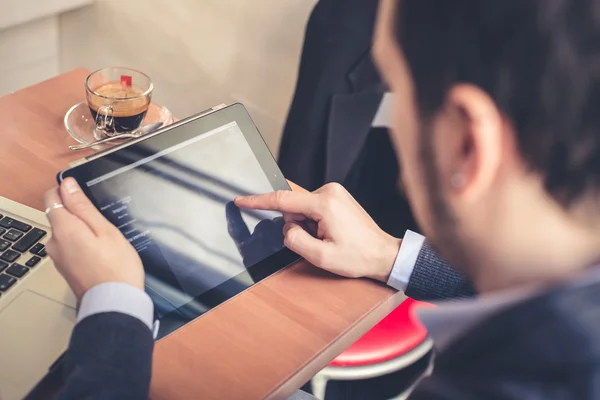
(37, 308)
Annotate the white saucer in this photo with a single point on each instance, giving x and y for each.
(82, 127)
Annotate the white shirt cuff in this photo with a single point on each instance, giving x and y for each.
(411, 246)
(383, 117)
(117, 297)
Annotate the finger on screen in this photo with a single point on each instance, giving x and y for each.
(285, 201)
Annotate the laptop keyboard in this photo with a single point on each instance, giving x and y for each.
(18, 240)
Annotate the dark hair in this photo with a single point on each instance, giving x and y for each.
(538, 59)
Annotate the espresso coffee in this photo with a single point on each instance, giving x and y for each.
(128, 106)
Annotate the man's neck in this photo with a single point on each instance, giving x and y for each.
(542, 255)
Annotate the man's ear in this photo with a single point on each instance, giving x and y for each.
(477, 142)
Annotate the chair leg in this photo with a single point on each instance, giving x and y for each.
(319, 385)
(425, 374)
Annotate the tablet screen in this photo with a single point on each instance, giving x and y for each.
(175, 206)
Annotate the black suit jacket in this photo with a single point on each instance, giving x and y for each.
(546, 348)
(337, 94)
(328, 135)
(434, 279)
(109, 358)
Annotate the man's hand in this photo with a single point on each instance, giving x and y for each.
(87, 249)
(331, 230)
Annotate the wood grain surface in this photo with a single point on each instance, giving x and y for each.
(35, 144)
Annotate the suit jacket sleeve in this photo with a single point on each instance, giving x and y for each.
(109, 357)
(434, 279)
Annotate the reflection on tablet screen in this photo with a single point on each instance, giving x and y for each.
(176, 208)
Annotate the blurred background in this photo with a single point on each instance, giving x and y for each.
(199, 53)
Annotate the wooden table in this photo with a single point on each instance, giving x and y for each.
(265, 342)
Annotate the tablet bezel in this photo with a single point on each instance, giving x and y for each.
(97, 165)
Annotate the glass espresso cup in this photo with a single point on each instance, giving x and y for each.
(118, 99)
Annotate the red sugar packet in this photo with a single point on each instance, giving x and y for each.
(126, 81)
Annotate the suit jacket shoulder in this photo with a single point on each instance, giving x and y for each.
(547, 347)
(109, 357)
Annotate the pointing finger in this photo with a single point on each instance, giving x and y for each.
(285, 201)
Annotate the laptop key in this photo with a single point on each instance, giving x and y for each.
(32, 262)
(13, 235)
(6, 281)
(10, 256)
(3, 265)
(4, 245)
(29, 240)
(8, 222)
(37, 248)
(2, 230)
(17, 270)
(42, 252)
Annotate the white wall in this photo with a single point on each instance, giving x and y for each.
(29, 53)
(29, 40)
(199, 52)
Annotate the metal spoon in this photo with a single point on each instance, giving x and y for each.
(135, 134)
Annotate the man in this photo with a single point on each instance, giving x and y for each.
(496, 125)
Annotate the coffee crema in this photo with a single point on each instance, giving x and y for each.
(129, 106)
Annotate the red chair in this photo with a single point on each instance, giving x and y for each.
(396, 342)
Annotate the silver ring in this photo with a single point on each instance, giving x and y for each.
(53, 207)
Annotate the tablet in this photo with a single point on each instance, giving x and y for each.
(171, 195)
